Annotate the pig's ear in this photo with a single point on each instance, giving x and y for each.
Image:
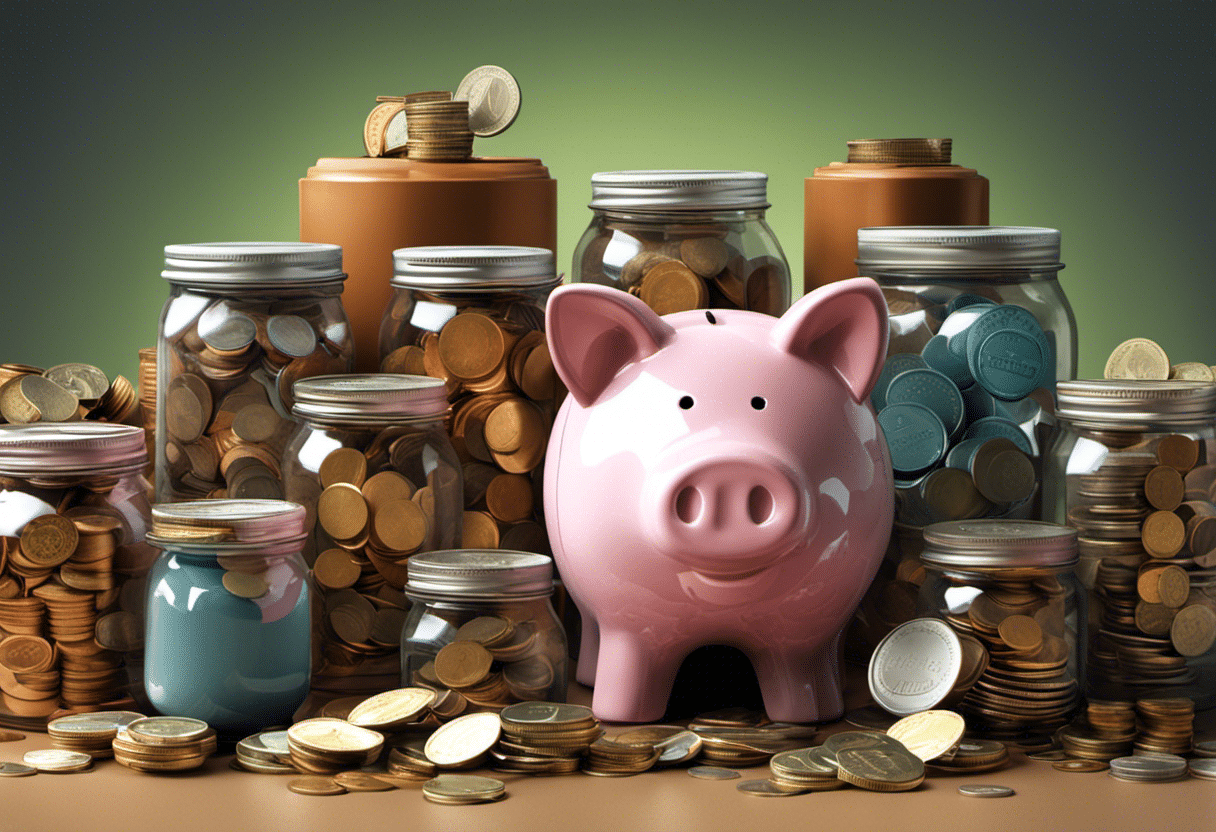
(594, 331)
(842, 325)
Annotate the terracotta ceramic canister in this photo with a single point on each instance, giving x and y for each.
(371, 206)
(884, 182)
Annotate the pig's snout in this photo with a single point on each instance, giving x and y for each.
(728, 517)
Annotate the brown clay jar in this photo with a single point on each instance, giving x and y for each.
(884, 182)
(372, 206)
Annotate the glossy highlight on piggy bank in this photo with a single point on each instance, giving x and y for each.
(717, 477)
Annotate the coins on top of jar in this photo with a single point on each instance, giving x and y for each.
(439, 125)
(1144, 359)
(65, 393)
(693, 256)
(245, 322)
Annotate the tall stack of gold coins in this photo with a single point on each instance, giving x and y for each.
(1132, 470)
(473, 316)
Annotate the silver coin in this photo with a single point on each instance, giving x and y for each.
(291, 335)
(55, 759)
(494, 98)
(713, 773)
(767, 788)
(85, 381)
(679, 748)
(1205, 769)
(265, 746)
(167, 728)
(16, 770)
(1205, 748)
(1143, 767)
(981, 790)
(396, 134)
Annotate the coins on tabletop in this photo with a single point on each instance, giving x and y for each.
(1156, 768)
(1204, 769)
(90, 733)
(607, 757)
(984, 790)
(463, 741)
(57, 760)
(713, 773)
(974, 756)
(392, 708)
(1080, 766)
(880, 769)
(361, 781)
(315, 785)
(324, 745)
(164, 744)
(10, 769)
(463, 789)
(167, 730)
(768, 788)
(929, 734)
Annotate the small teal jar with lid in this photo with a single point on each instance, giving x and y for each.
(228, 628)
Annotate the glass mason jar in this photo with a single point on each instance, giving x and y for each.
(474, 317)
(684, 239)
(243, 323)
(1010, 586)
(1132, 469)
(228, 613)
(980, 331)
(372, 465)
(73, 562)
(482, 629)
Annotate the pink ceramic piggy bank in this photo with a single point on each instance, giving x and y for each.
(717, 477)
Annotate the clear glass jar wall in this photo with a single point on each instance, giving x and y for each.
(243, 323)
(1132, 469)
(482, 630)
(73, 565)
(684, 240)
(980, 331)
(228, 613)
(473, 316)
(375, 470)
(1008, 590)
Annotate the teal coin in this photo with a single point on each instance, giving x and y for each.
(961, 455)
(938, 357)
(1008, 364)
(896, 363)
(915, 438)
(994, 427)
(956, 327)
(933, 390)
(963, 301)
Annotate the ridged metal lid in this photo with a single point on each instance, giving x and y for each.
(245, 265)
(474, 267)
(1136, 405)
(960, 247)
(999, 544)
(679, 190)
(372, 397)
(482, 573)
(72, 448)
(233, 522)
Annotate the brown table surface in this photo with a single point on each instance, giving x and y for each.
(111, 797)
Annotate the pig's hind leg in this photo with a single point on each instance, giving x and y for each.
(802, 685)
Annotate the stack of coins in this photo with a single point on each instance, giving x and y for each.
(612, 758)
(1106, 732)
(65, 393)
(1144, 359)
(674, 744)
(865, 759)
(90, 733)
(504, 393)
(1154, 768)
(1167, 726)
(147, 407)
(463, 789)
(164, 743)
(545, 737)
(676, 270)
(56, 761)
(409, 761)
(973, 757)
(325, 746)
(439, 126)
(804, 769)
(266, 752)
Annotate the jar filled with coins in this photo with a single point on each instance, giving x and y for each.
(685, 239)
(473, 316)
(227, 639)
(73, 563)
(373, 466)
(482, 629)
(980, 331)
(243, 323)
(1008, 590)
(1133, 468)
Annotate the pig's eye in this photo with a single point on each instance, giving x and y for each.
(759, 403)
(686, 402)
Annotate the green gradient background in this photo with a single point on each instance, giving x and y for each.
(129, 127)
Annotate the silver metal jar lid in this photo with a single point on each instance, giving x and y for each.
(247, 265)
(72, 448)
(1138, 405)
(962, 247)
(474, 267)
(482, 573)
(239, 522)
(679, 190)
(999, 544)
(371, 397)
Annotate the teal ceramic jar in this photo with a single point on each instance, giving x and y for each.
(228, 628)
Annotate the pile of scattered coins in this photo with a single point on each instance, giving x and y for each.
(1113, 729)
(65, 393)
(440, 125)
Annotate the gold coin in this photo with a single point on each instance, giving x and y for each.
(706, 256)
(1163, 534)
(673, 287)
(335, 569)
(1138, 358)
(49, 540)
(26, 654)
(479, 531)
(471, 345)
(463, 740)
(360, 781)
(188, 405)
(1173, 586)
(951, 494)
(1021, 633)
(407, 360)
(462, 664)
(377, 121)
(315, 785)
(245, 585)
(880, 769)
(513, 425)
(342, 511)
(929, 734)
(32, 398)
(1189, 371)
(400, 526)
(256, 423)
(1193, 630)
(1080, 765)
(766, 287)
(636, 267)
(509, 497)
(385, 487)
(461, 789)
(539, 380)
(391, 708)
(324, 734)
(345, 465)
(486, 630)
(1178, 451)
(1164, 488)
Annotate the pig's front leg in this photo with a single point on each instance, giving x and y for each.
(588, 651)
(800, 685)
(633, 677)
